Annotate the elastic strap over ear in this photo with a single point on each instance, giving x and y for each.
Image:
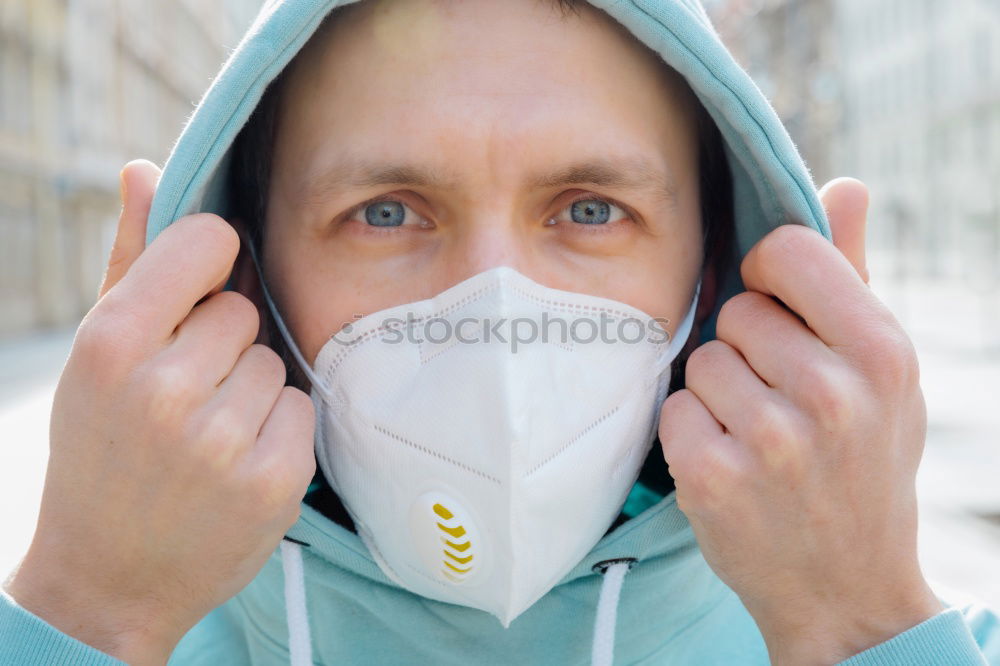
(317, 384)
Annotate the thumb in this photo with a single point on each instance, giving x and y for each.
(846, 204)
(138, 183)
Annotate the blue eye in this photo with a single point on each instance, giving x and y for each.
(385, 214)
(590, 211)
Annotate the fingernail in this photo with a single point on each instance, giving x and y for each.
(123, 188)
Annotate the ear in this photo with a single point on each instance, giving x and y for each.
(245, 280)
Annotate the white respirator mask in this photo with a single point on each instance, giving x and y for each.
(483, 440)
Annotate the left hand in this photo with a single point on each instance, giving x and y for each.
(795, 445)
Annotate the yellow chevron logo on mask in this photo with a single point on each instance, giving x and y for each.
(445, 535)
(457, 554)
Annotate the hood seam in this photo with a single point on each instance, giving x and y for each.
(775, 201)
(173, 197)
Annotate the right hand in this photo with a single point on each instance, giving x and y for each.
(178, 457)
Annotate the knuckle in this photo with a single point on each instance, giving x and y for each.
(238, 311)
(169, 392)
(894, 358)
(737, 310)
(774, 435)
(267, 363)
(702, 357)
(766, 424)
(277, 484)
(299, 400)
(106, 337)
(771, 246)
(671, 414)
(283, 473)
(713, 479)
(729, 316)
(774, 249)
(93, 336)
(829, 393)
(675, 404)
(223, 434)
(216, 455)
(215, 232)
(708, 362)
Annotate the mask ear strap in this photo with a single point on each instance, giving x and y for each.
(684, 330)
(313, 378)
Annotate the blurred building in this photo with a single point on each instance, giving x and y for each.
(85, 86)
(922, 128)
(790, 50)
(904, 94)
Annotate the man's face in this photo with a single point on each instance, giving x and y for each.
(421, 142)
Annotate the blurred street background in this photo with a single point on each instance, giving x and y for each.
(903, 94)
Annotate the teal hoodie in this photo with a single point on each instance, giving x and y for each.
(324, 585)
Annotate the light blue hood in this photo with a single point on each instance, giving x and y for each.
(673, 608)
(341, 608)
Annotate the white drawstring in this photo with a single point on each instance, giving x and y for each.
(296, 614)
(603, 648)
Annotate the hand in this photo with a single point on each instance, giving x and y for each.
(178, 457)
(795, 445)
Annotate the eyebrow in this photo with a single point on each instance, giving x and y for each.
(360, 173)
(626, 173)
(623, 173)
